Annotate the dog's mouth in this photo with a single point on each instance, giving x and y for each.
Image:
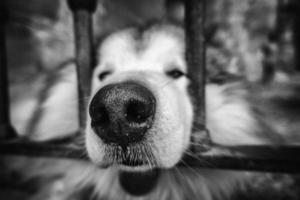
(139, 183)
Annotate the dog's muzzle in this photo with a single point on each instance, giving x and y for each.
(121, 113)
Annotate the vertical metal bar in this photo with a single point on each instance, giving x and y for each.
(280, 19)
(82, 14)
(275, 38)
(6, 130)
(296, 34)
(195, 57)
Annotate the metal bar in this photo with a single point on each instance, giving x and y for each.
(41, 149)
(82, 11)
(6, 130)
(296, 34)
(244, 164)
(280, 159)
(196, 62)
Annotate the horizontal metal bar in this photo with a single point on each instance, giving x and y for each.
(41, 149)
(261, 158)
(281, 159)
(244, 164)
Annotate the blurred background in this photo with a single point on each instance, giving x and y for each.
(255, 39)
(246, 36)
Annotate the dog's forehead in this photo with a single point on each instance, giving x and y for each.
(134, 49)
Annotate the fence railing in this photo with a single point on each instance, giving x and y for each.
(6, 130)
(268, 158)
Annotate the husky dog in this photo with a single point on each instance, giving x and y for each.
(139, 122)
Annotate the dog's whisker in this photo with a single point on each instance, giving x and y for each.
(178, 171)
(150, 156)
(191, 169)
(146, 155)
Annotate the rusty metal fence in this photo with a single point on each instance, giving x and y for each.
(283, 159)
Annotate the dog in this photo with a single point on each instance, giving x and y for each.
(139, 122)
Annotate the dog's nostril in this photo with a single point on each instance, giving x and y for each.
(99, 116)
(138, 111)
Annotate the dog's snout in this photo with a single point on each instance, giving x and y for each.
(122, 113)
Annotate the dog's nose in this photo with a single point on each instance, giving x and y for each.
(122, 113)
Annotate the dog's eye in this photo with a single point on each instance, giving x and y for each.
(103, 75)
(175, 73)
